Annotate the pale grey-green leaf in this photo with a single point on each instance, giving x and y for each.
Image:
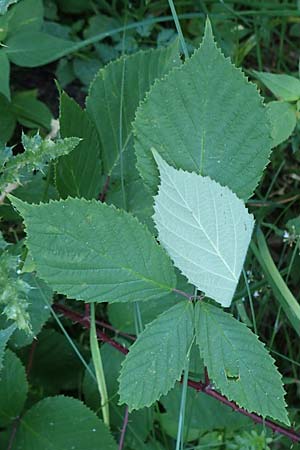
(156, 360)
(94, 252)
(205, 229)
(238, 363)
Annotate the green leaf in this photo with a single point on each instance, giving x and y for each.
(4, 337)
(13, 388)
(37, 153)
(93, 252)
(62, 423)
(31, 112)
(79, 173)
(283, 87)
(27, 15)
(34, 48)
(8, 120)
(205, 117)
(116, 92)
(4, 4)
(157, 358)
(205, 229)
(238, 363)
(4, 75)
(53, 374)
(283, 121)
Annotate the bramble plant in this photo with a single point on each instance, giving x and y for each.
(175, 147)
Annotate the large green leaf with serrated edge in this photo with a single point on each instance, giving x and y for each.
(79, 173)
(205, 117)
(13, 388)
(62, 423)
(205, 228)
(238, 363)
(116, 92)
(94, 252)
(157, 358)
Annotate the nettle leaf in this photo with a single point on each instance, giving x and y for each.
(38, 152)
(79, 173)
(283, 87)
(157, 358)
(62, 423)
(14, 292)
(4, 338)
(205, 229)
(116, 92)
(94, 252)
(283, 120)
(238, 363)
(13, 388)
(39, 298)
(205, 117)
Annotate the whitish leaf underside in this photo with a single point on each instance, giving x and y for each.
(205, 229)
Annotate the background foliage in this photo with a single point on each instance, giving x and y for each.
(87, 68)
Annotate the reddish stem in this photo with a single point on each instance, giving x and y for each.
(85, 322)
(31, 357)
(102, 196)
(197, 385)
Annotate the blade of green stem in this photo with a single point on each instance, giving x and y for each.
(281, 291)
(178, 28)
(59, 323)
(250, 301)
(97, 361)
(180, 429)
